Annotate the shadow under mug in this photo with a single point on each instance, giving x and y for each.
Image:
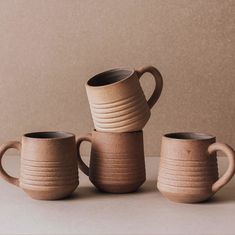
(117, 101)
(48, 168)
(188, 170)
(117, 161)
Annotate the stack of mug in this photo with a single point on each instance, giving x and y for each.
(120, 111)
(188, 170)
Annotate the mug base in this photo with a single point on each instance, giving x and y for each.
(186, 198)
(117, 188)
(51, 194)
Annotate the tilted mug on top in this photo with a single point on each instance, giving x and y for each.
(188, 170)
(48, 167)
(116, 162)
(117, 101)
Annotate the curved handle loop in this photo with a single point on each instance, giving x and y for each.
(84, 168)
(3, 149)
(231, 167)
(158, 83)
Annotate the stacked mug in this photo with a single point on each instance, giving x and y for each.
(120, 111)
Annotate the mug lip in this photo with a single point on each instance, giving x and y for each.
(132, 71)
(36, 135)
(188, 136)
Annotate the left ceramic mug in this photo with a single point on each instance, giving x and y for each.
(48, 168)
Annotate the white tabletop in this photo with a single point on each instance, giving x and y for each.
(91, 212)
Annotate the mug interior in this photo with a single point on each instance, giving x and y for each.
(109, 77)
(48, 135)
(189, 136)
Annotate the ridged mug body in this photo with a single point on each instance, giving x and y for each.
(117, 161)
(187, 171)
(48, 167)
(119, 107)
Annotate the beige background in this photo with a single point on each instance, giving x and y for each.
(48, 50)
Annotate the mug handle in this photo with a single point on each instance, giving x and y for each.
(158, 83)
(227, 176)
(3, 149)
(84, 168)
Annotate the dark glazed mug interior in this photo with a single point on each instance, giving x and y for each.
(189, 136)
(109, 77)
(49, 135)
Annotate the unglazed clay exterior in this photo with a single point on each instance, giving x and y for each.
(188, 170)
(117, 161)
(117, 101)
(48, 164)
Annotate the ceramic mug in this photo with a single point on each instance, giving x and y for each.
(48, 168)
(117, 101)
(188, 170)
(116, 162)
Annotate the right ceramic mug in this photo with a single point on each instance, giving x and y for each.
(188, 170)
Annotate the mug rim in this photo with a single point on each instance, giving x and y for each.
(132, 71)
(45, 135)
(189, 136)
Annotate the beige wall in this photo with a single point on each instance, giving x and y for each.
(48, 49)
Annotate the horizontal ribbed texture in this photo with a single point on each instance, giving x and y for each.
(177, 176)
(117, 173)
(44, 175)
(128, 114)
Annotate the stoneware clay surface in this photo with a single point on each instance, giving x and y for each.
(117, 161)
(117, 101)
(48, 164)
(188, 169)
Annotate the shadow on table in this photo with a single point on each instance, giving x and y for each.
(85, 192)
(148, 186)
(225, 195)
